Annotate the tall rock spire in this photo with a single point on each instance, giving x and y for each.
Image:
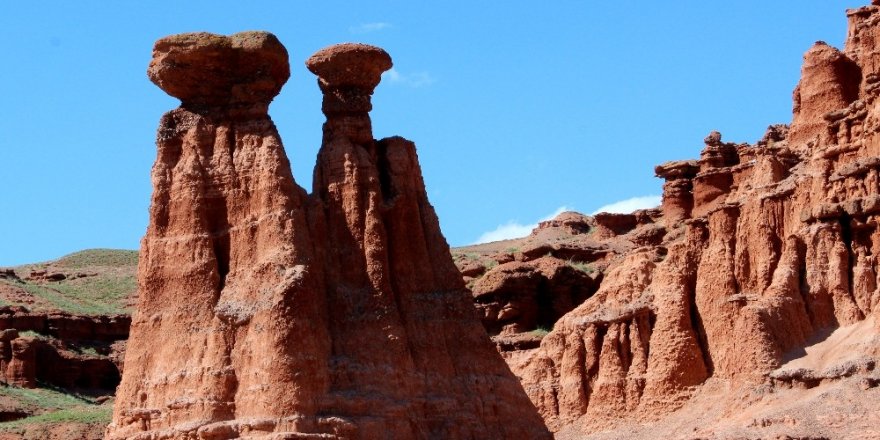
(410, 357)
(267, 312)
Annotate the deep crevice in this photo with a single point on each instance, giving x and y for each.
(220, 236)
(221, 253)
(593, 371)
(650, 320)
(697, 325)
(846, 234)
(803, 282)
(383, 166)
(776, 245)
(590, 374)
(625, 345)
(546, 317)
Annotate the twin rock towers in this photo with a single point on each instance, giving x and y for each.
(267, 312)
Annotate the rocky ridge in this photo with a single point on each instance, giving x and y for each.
(337, 314)
(756, 286)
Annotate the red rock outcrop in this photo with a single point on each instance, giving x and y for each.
(517, 297)
(264, 311)
(66, 326)
(571, 222)
(769, 247)
(678, 197)
(20, 361)
(829, 81)
(59, 349)
(521, 287)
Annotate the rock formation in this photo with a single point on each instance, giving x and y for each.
(770, 248)
(50, 349)
(516, 297)
(18, 360)
(526, 285)
(265, 311)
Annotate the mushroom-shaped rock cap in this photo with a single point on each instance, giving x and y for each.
(349, 65)
(677, 169)
(216, 70)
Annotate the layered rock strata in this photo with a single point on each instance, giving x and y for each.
(62, 350)
(518, 296)
(265, 311)
(770, 246)
(521, 287)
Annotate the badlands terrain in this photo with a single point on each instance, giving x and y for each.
(746, 306)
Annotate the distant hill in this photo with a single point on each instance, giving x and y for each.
(88, 282)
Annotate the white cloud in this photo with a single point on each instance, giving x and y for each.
(369, 27)
(629, 205)
(414, 80)
(514, 229)
(391, 75)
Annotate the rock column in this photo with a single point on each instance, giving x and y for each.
(829, 81)
(229, 334)
(22, 368)
(410, 357)
(264, 312)
(678, 196)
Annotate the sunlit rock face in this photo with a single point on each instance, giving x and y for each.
(769, 247)
(267, 312)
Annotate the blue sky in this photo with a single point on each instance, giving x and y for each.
(518, 108)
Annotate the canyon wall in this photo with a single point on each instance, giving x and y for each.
(265, 311)
(766, 248)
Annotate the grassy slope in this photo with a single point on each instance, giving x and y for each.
(109, 286)
(51, 407)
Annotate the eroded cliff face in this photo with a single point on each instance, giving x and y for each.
(767, 249)
(265, 311)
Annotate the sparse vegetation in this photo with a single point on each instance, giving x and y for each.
(32, 334)
(99, 257)
(43, 398)
(53, 406)
(97, 281)
(467, 255)
(55, 298)
(81, 414)
(76, 297)
(541, 331)
(100, 294)
(489, 264)
(85, 350)
(581, 266)
(511, 250)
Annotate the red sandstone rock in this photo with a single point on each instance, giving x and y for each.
(54, 357)
(6, 338)
(610, 225)
(678, 198)
(571, 222)
(22, 367)
(517, 297)
(772, 246)
(9, 274)
(829, 81)
(58, 364)
(42, 275)
(246, 69)
(267, 312)
(65, 326)
(372, 203)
